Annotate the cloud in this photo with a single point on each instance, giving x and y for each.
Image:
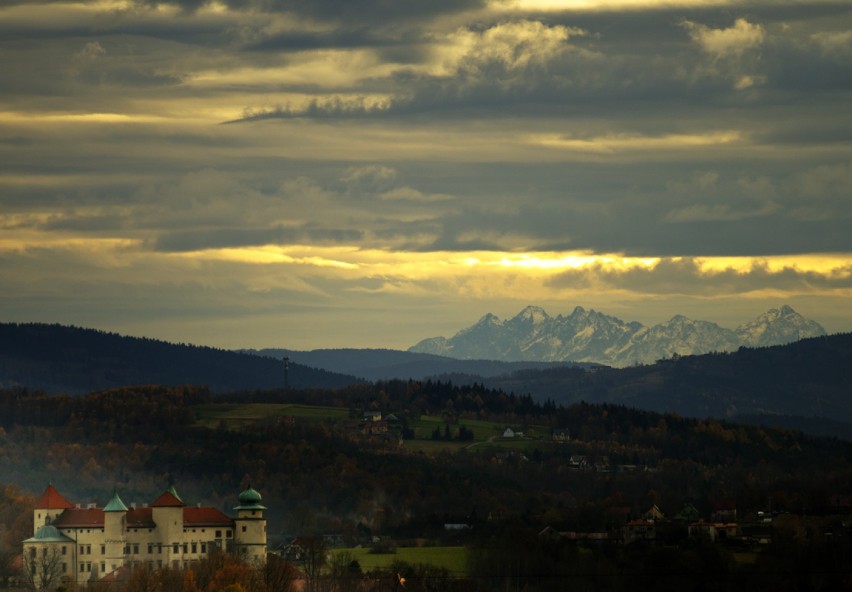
(690, 276)
(834, 43)
(726, 43)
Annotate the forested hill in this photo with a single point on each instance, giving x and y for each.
(807, 379)
(58, 358)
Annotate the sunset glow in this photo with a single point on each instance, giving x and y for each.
(179, 169)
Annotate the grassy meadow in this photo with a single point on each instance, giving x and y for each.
(453, 559)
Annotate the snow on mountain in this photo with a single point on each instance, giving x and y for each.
(590, 336)
(777, 327)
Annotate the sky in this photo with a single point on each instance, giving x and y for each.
(335, 173)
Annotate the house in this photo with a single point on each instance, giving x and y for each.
(71, 543)
(713, 531)
(508, 433)
(654, 514)
(374, 427)
(724, 511)
(560, 435)
(372, 416)
(577, 461)
(688, 513)
(639, 530)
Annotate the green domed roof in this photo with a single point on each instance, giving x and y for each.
(48, 534)
(250, 496)
(250, 500)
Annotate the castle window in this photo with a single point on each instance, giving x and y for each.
(244, 528)
(64, 550)
(185, 548)
(175, 548)
(203, 547)
(194, 548)
(136, 549)
(218, 534)
(32, 551)
(103, 549)
(64, 568)
(228, 533)
(150, 548)
(103, 567)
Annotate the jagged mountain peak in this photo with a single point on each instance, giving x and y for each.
(489, 319)
(591, 336)
(532, 314)
(778, 326)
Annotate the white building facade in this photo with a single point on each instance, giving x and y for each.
(84, 544)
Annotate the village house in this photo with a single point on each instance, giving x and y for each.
(560, 435)
(71, 543)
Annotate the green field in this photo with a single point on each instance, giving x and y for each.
(453, 559)
(235, 415)
(482, 430)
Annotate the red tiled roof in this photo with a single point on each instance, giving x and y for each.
(167, 500)
(52, 500)
(119, 574)
(140, 518)
(80, 517)
(194, 516)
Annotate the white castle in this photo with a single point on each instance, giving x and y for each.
(85, 544)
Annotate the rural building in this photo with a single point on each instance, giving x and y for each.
(85, 544)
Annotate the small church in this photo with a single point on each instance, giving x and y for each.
(86, 544)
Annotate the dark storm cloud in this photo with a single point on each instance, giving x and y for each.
(339, 10)
(215, 238)
(613, 64)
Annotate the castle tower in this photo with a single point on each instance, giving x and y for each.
(167, 513)
(250, 527)
(48, 507)
(115, 529)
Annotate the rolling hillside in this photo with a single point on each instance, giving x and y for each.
(58, 358)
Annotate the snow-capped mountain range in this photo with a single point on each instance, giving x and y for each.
(591, 336)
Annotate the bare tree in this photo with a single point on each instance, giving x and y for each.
(312, 559)
(279, 575)
(43, 568)
(7, 564)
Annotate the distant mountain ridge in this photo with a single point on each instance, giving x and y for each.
(63, 359)
(588, 336)
(387, 364)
